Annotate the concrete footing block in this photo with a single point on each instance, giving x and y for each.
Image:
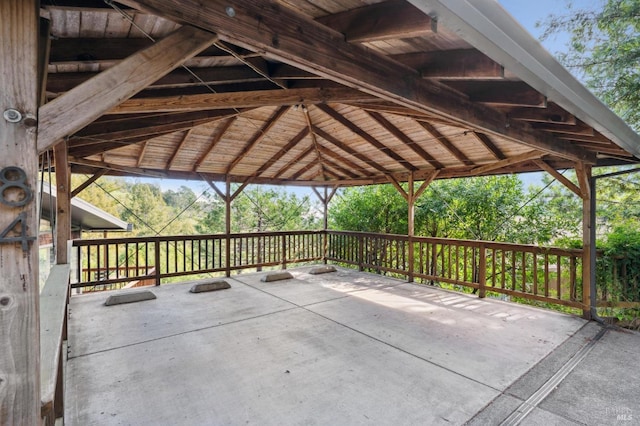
(322, 269)
(276, 276)
(129, 297)
(210, 286)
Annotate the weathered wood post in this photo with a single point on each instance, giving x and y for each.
(19, 290)
(63, 202)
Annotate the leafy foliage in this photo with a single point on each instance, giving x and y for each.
(605, 52)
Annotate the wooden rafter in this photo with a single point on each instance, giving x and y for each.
(367, 137)
(527, 156)
(78, 107)
(285, 149)
(257, 137)
(491, 147)
(348, 64)
(559, 177)
(462, 64)
(314, 141)
(381, 21)
(446, 143)
(214, 141)
(98, 147)
(88, 182)
(346, 148)
(245, 99)
(176, 151)
(342, 170)
(294, 161)
(551, 114)
(125, 169)
(143, 150)
(347, 163)
(402, 137)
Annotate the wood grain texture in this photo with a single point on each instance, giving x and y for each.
(19, 308)
(80, 106)
(288, 36)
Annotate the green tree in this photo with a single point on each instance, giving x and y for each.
(605, 51)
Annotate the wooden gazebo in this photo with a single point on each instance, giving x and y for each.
(319, 93)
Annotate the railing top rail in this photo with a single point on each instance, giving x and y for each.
(81, 243)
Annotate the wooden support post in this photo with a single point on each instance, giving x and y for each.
(411, 202)
(19, 290)
(584, 177)
(63, 202)
(482, 273)
(325, 199)
(227, 226)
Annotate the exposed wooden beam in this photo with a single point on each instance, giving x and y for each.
(583, 173)
(398, 134)
(344, 171)
(80, 106)
(102, 146)
(463, 64)
(176, 151)
(559, 177)
(425, 184)
(551, 114)
(381, 21)
(294, 161)
(310, 165)
(138, 126)
(520, 158)
(491, 147)
(125, 169)
(366, 136)
(346, 148)
(283, 151)
(88, 182)
(397, 185)
(352, 65)
(342, 159)
(248, 99)
(257, 137)
(63, 82)
(446, 143)
(501, 93)
(214, 141)
(579, 129)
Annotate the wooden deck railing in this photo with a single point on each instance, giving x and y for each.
(546, 274)
(123, 260)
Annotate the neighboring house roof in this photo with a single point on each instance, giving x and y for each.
(84, 216)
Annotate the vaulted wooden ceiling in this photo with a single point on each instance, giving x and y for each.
(318, 92)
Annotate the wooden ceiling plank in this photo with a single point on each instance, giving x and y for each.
(352, 65)
(80, 106)
(446, 143)
(381, 21)
(103, 146)
(344, 147)
(257, 137)
(176, 151)
(306, 168)
(399, 134)
(245, 99)
(214, 141)
(491, 147)
(558, 176)
(366, 136)
(88, 182)
(520, 158)
(336, 166)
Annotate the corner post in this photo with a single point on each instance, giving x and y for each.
(19, 223)
(588, 237)
(411, 202)
(63, 206)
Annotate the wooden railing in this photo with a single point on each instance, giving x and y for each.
(545, 274)
(120, 261)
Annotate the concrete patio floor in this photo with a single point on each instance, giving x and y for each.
(341, 348)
